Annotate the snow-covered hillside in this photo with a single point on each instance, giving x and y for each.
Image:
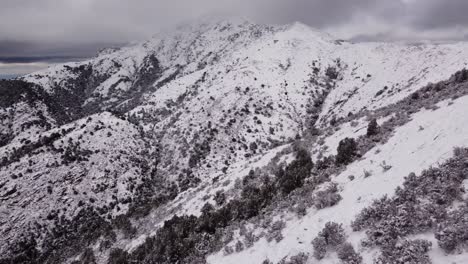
(106, 150)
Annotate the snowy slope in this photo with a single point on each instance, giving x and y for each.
(400, 68)
(274, 72)
(193, 110)
(76, 168)
(409, 150)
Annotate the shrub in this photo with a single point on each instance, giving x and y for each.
(406, 252)
(275, 231)
(348, 255)
(239, 246)
(122, 222)
(293, 176)
(452, 233)
(347, 151)
(328, 197)
(331, 236)
(320, 247)
(461, 76)
(331, 73)
(300, 258)
(301, 209)
(250, 239)
(23, 251)
(420, 205)
(325, 163)
(220, 198)
(228, 250)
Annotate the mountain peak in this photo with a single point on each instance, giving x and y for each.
(235, 135)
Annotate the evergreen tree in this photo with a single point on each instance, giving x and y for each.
(347, 150)
(372, 128)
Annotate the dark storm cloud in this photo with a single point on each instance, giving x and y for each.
(34, 51)
(51, 30)
(109, 21)
(25, 59)
(124, 20)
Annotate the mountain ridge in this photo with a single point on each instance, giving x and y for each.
(159, 128)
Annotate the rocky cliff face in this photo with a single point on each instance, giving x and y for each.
(100, 153)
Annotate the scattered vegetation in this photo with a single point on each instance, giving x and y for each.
(421, 205)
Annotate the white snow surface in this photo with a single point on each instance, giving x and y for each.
(409, 150)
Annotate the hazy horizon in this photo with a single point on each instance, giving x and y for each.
(51, 31)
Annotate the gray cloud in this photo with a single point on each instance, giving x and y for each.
(52, 48)
(48, 29)
(107, 21)
(432, 14)
(317, 13)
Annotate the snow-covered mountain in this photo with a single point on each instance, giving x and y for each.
(114, 159)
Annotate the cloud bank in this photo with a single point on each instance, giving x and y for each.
(71, 28)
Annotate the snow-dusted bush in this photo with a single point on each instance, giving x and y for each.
(331, 236)
(406, 252)
(452, 232)
(458, 151)
(228, 250)
(249, 239)
(220, 198)
(301, 209)
(239, 246)
(275, 231)
(420, 205)
(328, 197)
(228, 235)
(461, 76)
(348, 255)
(300, 258)
(332, 73)
(320, 247)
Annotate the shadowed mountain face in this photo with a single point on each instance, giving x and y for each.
(96, 155)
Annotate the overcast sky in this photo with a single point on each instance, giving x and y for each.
(35, 32)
